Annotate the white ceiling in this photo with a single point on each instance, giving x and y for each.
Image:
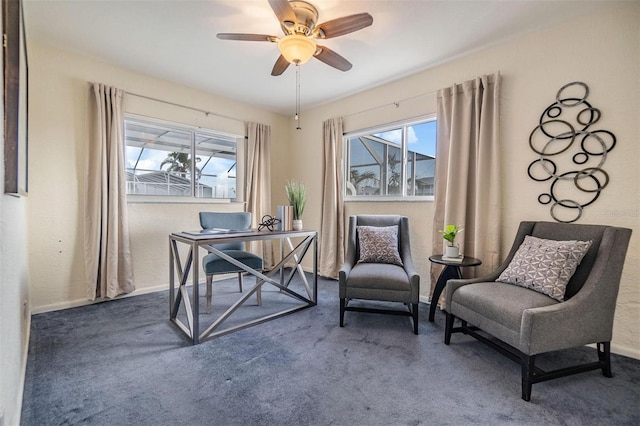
(176, 40)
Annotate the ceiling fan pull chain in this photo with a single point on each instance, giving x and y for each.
(298, 97)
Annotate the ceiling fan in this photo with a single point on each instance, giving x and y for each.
(298, 21)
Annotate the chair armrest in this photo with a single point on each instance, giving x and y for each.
(407, 264)
(453, 285)
(343, 275)
(587, 317)
(344, 272)
(414, 280)
(581, 320)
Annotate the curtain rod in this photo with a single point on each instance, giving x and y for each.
(205, 112)
(396, 104)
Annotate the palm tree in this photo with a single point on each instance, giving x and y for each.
(179, 162)
(394, 178)
(357, 178)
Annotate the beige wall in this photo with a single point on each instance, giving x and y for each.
(601, 50)
(58, 136)
(14, 294)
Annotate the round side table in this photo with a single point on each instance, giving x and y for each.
(451, 271)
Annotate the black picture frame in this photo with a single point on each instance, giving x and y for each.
(16, 95)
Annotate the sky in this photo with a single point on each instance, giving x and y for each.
(421, 138)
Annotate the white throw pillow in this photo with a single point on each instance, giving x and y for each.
(379, 244)
(545, 266)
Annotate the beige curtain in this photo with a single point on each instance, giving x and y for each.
(259, 183)
(109, 271)
(331, 248)
(468, 187)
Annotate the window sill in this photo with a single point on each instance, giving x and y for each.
(388, 199)
(141, 199)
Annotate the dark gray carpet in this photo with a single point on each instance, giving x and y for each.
(123, 363)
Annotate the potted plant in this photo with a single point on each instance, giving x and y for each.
(449, 233)
(297, 196)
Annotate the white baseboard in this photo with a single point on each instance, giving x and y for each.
(624, 351)
(85, 302)
(144, 290)
(23, 372)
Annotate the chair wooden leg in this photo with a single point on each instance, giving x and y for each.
(528, 366)
(342, 306)
(448, 328)
(414, 311)
(240, 281)
(604, 356)
(209, 283)
(259, 293)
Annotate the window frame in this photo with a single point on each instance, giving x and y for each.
(403, 125)
(193, 131)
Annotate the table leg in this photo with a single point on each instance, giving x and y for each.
(315, 269)
(195, 308)
(448, 273)
(298, 267)
(172, 271)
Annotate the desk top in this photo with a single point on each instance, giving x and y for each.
(218, 234)
(466, 261)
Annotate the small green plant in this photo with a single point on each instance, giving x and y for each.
(297, 196)
(450, 232)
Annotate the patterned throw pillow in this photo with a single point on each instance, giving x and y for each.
(545, 265)
(379, 244)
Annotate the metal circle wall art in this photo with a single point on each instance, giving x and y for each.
(571, 153)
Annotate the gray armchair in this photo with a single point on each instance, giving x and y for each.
(375, 279)
(214, 264)
(527, 322)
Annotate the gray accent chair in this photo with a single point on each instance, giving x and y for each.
(521, 323)
(214, 264)
(379, 281)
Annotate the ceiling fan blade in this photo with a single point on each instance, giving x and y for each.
(280, 66)
(331, 58)
(283, 11)
(342, 26)
(247, 37)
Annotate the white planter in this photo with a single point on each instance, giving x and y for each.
(451, 251)
(297, 225)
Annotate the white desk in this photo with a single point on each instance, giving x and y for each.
(195, 242)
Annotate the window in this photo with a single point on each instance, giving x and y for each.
(397, 161)
(171, 160)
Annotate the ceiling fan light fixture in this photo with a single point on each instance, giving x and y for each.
(297, 48)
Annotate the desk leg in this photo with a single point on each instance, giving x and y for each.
(195, 309)
(180, 294)
(448, 273)
(315, 269)
(298, 267)
(172, 271)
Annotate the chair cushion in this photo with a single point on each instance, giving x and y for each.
(379, 244)
(214, 264)
(544, 265)
(379, 281)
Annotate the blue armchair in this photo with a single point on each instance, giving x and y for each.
(214, 264)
